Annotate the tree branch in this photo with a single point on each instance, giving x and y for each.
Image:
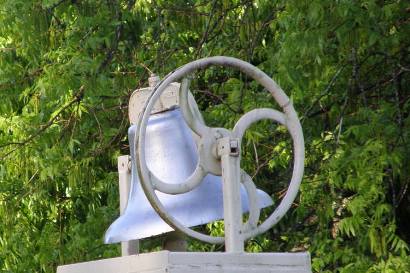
(324, 92)
(77, 98)
(118, 32)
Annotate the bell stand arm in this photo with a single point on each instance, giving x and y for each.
(193, 118)
(124, 177)
(228, 155)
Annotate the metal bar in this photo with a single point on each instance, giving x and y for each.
(124, 176)
(228, 149)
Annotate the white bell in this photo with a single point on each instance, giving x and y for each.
(171, 154)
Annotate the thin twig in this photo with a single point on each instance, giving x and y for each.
(207, 92)
(325, 91)
(205, 35)
(402, 193)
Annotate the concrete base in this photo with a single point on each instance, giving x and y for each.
(196, 262)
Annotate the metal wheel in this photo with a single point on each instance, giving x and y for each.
(209, 161)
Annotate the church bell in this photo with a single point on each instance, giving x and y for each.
(171, 154)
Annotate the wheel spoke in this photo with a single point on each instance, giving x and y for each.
(254, 210)
(190, 111)
(181, 187)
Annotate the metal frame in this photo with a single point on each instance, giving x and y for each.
(219, 153)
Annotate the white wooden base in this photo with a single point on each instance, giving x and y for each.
(196, 262)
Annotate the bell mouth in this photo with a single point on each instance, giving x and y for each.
(192, 209)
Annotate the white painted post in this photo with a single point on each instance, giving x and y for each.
(229, 150)
(124, 175)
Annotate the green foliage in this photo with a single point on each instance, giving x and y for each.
(67, 69)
